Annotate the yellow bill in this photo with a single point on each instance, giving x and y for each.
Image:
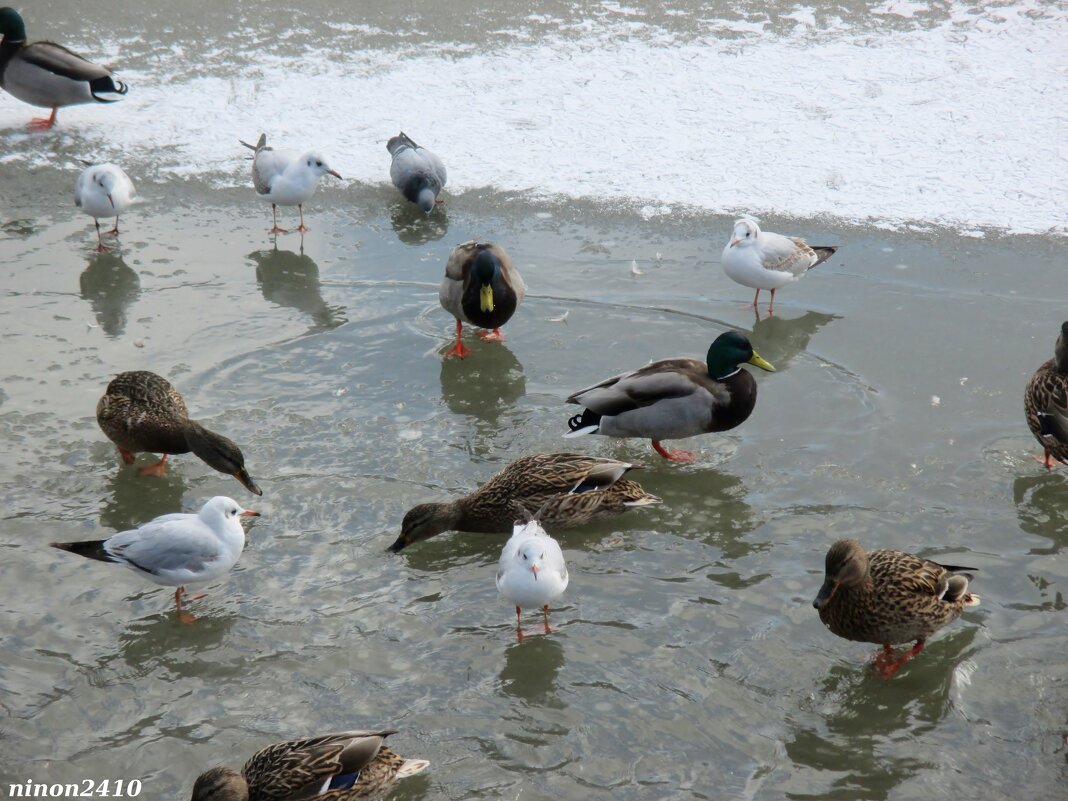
(485, 298)
(763, 364)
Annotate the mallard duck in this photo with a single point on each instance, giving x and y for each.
(890, 597)
(347, 766)
(763, 260)
(563, 489)
(481, 287)
(141, 412)
(49, 75)
(286, 178)
(531, 572)
(176, 549)
(673, 398)
(103, 190)
(1046, 402)
(416, 172)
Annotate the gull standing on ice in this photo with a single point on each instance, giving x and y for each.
(416, 172)
(531, 571)
(177, 549)
(49, 75)
(286, 178)
(104, 190)
(763, 260)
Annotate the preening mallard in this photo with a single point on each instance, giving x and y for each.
(416, 172)
(674, 398)
(103, 190)
(49, 75)
(141, 412)
(562, 489)
(347, 766)
(890, 597)
(481, 287)
(764, 260)
(1046, 402)
(286, 178)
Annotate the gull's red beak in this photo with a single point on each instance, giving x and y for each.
(534, 569)
(735, 242)
(112, 202)
(334, 173)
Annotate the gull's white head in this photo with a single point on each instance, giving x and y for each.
(530, 555)
(316, 164)
(223, 511)
(745, 233)
(107, 181)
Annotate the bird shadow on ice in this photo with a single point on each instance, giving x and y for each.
(182, 649)
(415, 228)
(111, 287)
(291, 279)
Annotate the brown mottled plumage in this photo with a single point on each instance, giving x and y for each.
(141, 412)
(1046, 402)
(562, 489)
(889, 597)
(301, 769)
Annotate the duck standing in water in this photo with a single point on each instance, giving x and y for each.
(1046, 403)
(481, 287)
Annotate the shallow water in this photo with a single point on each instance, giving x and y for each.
(687, 660)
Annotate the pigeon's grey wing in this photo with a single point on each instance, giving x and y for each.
(436, 167)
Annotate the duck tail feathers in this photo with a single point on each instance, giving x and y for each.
(589, 422)
(411, 767)
(108, 86)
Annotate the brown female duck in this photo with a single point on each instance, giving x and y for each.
(1046, 403)
(889, 597)
(334, 767)
(142, 413)
(563, 489)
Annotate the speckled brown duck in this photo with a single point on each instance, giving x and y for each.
(889, 597)
(333, 767)
(674, 398)
(562, 489)
(142, 413)
(481, 287)
(1046, 402)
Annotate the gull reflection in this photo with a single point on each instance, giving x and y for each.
(110, 286)
(292, 279)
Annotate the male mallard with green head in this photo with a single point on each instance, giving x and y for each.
(481, 287)
(349, 766)
(1046, 403)
(49, 75)
(674, 398)
(562, 489)
(142, 413)
(890, 597)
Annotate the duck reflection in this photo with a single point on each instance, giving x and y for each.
(779, 340)
(110, 286)
(530, 670)
(133, 499)
(863, 712)
(1042, 508)
(486, 384)
(292, 279)
(415, 228)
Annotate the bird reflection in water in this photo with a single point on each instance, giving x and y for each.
(780, 340)
(292, 279)
(486, 387)
(111, 287)
(413, 227)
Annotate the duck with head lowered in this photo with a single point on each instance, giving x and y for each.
(142, 412)
(674, 398)
(49, 75)
(1046, 403)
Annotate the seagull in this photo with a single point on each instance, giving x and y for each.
(176, 549)
(49, 75)
(416, 172)
(104, 190)
(531, 571)
(763, 260)
(286, 178)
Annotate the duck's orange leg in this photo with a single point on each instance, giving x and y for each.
(157, 469)
(458, 350)
(44, 123)
(684, 457)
